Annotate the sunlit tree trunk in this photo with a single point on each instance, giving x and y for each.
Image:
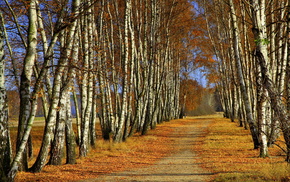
(90, 112)
(106, 114)
(93, 135)
(57, 92)
(11, 54)
(28, 104)
(113, 103)
(75, 91)
(261, 53)
(84, 86)
(57, 146)
(150, 94)
(119, 130)
(136, 85)
(5, 145)
(248, 67)
(69, 136)
(26, 80)
(78, 119)
(51, 119)
(261, 114)
(36, 70)
(288, 60)
(130, 121)
(86, 80)
(234, 88)
(243, 88)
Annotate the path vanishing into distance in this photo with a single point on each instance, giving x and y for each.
(180, 165)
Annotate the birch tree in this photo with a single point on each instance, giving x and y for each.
(125, 54)
(26, 76)
(288, 61)
(26, 117)
(58, 89)
(239, 57)
(264, 87)
(125, 62)
(5, 145)
(259, 30)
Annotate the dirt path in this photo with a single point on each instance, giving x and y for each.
(181, 165)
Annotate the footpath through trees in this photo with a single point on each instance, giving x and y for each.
(166, 153)
(179, 165)
(193, 149)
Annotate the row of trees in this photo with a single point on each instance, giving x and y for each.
(250, 39)
(120, 61)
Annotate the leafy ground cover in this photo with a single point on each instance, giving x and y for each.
(107, 157)
(227, 151)
(224, 149)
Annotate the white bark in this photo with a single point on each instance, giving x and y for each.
(119, 131)
(261, 112)
(239, 61)
(29, 61)
(261, 53)
(5, 145)
(87, 80)
(56, 93)
(288, 60)
(13, 60)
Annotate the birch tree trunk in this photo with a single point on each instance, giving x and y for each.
(261, 53)
(57, 91)
(107, 118)
(137, 60)
(78, 120)
(51, 119)
(25, 80)
(87, 81)
(83, 148)
(119, 131)
(13, 60)
(261, 112)
(91, 101)
(27, 115)
(57, 146)
(288, 60)
(244, 92)
(31, 53)
(5, 145)
(69, 136)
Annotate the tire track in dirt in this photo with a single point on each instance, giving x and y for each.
(181, 165)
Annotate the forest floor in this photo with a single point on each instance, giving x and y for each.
(206, 148)
(181, 163)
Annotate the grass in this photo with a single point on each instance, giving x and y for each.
(224, 149)
(107, 157)
(227, 150)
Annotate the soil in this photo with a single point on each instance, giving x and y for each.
(180, 165)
